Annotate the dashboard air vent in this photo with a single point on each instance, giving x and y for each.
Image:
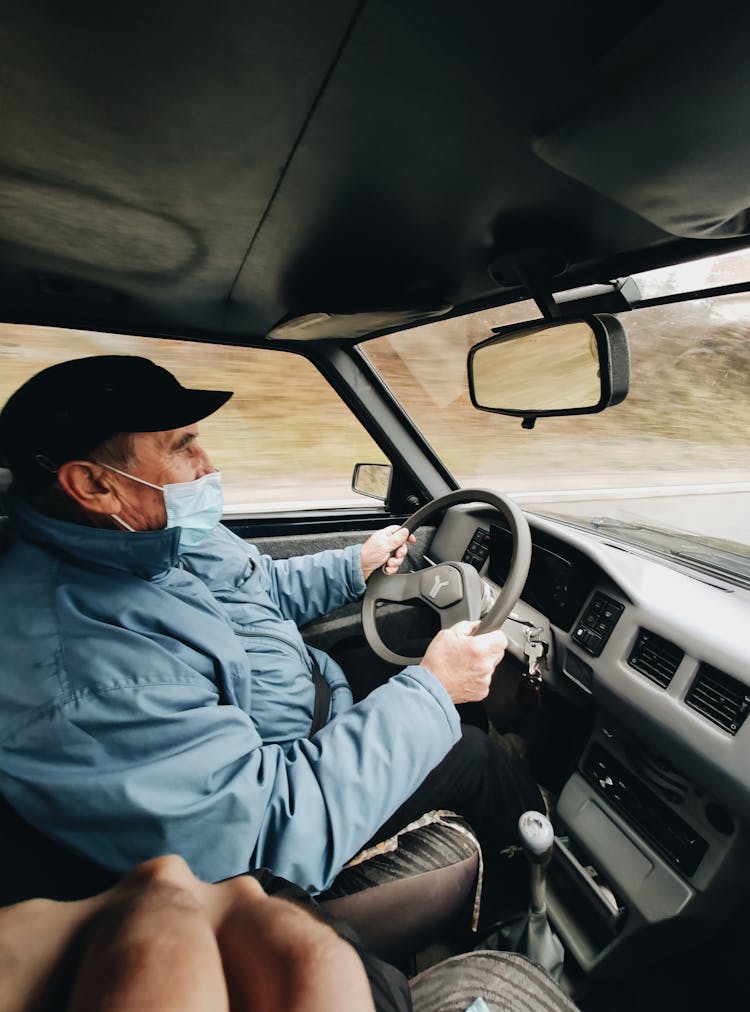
(721, 698)
(654, 657)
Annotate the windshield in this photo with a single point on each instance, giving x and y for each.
(672, 458)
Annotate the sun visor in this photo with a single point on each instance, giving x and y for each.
(667, 134)
(324, 326)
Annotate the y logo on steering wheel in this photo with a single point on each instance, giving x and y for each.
(437, 586)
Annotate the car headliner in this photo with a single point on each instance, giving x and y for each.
(211, 169)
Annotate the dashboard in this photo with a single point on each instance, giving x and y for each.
(639, 636)
(661, 657)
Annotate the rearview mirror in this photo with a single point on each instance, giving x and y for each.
(561, 367)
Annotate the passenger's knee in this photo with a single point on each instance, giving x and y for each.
(167, 870)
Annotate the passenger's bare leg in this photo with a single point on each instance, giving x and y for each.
(278, 955)
(163, 940)
(151, 947)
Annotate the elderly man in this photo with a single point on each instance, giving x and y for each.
(156, 695)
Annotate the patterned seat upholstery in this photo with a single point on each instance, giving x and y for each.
(407, 892)
(505, 981)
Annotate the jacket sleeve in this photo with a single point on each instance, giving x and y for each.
(308, 586)
(130, 772)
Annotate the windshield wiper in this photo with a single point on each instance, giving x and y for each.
(716, 562)
(689, 548)
(611, 523)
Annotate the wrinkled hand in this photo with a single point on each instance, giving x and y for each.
(465, 664)
(162, 939)
(385, 548)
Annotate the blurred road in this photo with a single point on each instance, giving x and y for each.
(721, 511)
(694, 501)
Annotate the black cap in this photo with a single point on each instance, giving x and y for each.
(65, 411)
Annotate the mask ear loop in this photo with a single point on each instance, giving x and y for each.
(141, 481)
(118, 520)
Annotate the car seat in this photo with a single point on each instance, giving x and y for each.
(504, 981)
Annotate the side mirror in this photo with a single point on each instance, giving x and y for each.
(561, 367)
(373, 480)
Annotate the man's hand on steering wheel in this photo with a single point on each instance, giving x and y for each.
(463, 663)
(385, 548)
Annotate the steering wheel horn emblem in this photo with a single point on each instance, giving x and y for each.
(442, 586)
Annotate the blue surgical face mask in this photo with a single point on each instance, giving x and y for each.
(196, 507)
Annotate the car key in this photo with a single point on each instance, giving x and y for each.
(530, 687)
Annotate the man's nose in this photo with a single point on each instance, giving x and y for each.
(203, 463)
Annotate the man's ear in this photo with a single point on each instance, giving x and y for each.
(90, 485)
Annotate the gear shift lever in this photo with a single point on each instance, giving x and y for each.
(539, 942)
(537, 839)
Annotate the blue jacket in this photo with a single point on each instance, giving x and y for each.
(154, 704)
(266, 601)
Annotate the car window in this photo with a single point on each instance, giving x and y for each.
(285, 440)
(708, 272)
(674, 454)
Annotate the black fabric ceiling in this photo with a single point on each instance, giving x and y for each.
(210, 169)
(665, 134)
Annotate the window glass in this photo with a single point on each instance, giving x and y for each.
(674, 453)
(285, 439)
(708, 272)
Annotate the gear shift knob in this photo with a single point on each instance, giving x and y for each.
(537, 836)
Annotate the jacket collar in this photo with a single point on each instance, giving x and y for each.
(142, 553)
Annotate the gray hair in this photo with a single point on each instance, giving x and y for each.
(118, 449)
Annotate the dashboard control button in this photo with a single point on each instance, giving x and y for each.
(599, 619)
(595, 643)
(478, 549)
(581, 635)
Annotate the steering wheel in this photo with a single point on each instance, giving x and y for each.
(452, 589)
